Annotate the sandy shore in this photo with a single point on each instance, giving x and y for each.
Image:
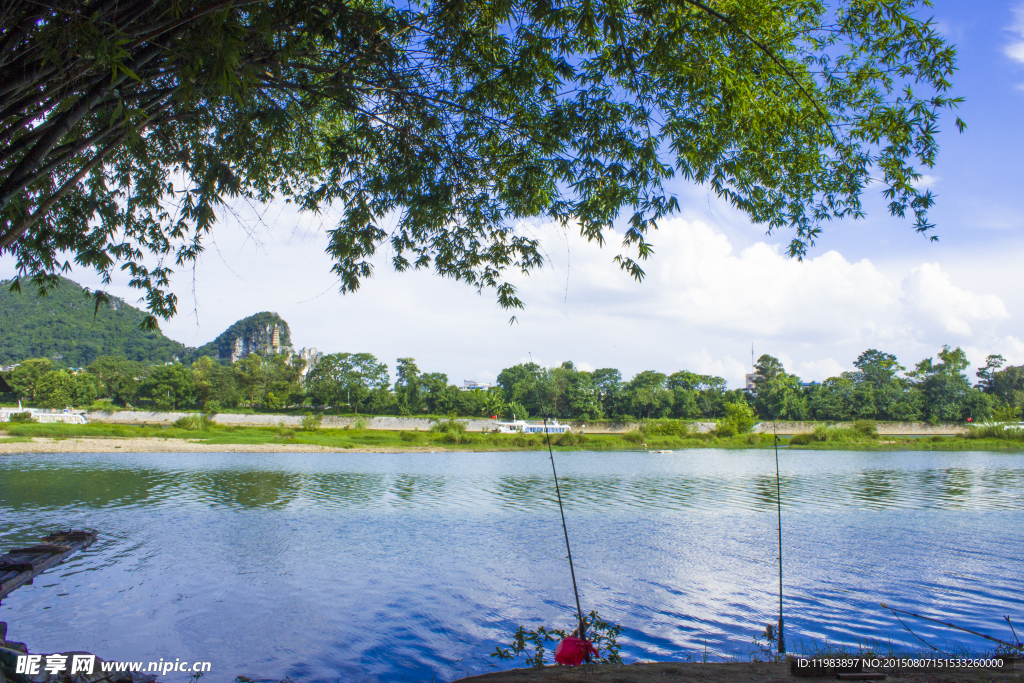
(158, 445)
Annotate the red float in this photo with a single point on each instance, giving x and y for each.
(572, 651)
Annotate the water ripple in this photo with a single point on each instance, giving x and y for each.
(415, 566)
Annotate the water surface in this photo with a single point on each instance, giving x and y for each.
(378, 567)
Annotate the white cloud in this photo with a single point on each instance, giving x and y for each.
(1009, 347)
(699, 288)
(703, 362)
(930, 299)
(826, 367)
(1015, 50)
(700, 307)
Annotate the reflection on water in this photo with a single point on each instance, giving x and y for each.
(877, 488)
(355, 489)
(685, 480)
(418, 490)
(244, 488)
(386, 566)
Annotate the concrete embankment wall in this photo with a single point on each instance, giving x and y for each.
(884, 428)
(389, 422)
(254, 420)
(481, 425)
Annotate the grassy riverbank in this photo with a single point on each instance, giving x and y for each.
(993, 439)
(355, 439)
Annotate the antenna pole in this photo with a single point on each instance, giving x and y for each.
(565, 530)
(778, 502)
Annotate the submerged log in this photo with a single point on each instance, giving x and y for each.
(20, 566)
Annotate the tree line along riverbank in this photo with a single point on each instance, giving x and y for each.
(451, 434)
(936, 390)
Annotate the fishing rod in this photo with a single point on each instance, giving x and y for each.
(1018, 646)
(778, 502)
(565, 530)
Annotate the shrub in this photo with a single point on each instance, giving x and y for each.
(633, 436)
(836, 434)
(22, 417)
(996, 431)
(569, 439)
(311, 422)
(602, 634)
(725, 429)
(665, 428)
(866, 428)
(408, 436)
(194, 423)
(826, 434)
(457, 438)
(448, 425)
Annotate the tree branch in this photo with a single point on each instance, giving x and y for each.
(771, 55)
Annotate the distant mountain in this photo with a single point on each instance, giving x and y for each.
(262, 333)
(62, 327)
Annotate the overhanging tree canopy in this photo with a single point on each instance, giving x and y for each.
(125, 125)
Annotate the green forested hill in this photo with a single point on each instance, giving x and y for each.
(63, 324)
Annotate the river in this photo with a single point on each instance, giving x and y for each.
(386, 567)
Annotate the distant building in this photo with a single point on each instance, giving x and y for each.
(469, 385)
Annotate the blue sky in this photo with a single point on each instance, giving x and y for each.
(716, 285)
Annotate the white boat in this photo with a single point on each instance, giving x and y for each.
(43, 416)
(524, 427)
